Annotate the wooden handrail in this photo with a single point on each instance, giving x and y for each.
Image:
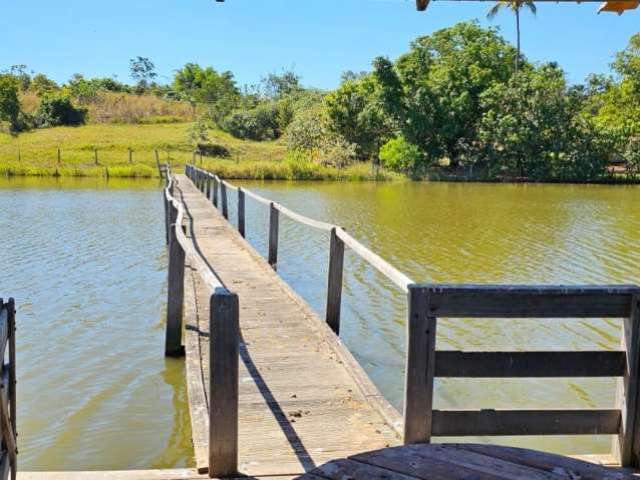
(339, 238)
(8, 457)
(224, 333)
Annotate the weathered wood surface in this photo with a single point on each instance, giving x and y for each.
(175, 474)
(464, 462)
(303, 399)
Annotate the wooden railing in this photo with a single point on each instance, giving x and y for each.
(8, 455)
(210, 184)
(427, 303)
(223, 337)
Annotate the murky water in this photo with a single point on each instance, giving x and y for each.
(467, 233)
(86, 262)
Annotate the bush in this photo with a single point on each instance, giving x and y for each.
(337, 152)
(9, 102)
(259, 123)
(306, 132)
(58, 110)
(213, 150)
(400, 155)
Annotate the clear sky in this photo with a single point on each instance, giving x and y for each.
(319, 39)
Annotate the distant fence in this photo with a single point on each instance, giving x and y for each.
(8, 456)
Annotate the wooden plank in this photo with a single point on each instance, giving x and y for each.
(223, 386)
(455, 364)
(629, 434)
(350, 469)
(273, 236)
(334, 282)
(548, 462)
(175, 291)
(241, 213)
(420, 368)
(463, 423)
(504, 301)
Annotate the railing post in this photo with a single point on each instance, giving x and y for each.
(273, 235)
(11, 311)
(215, 192)
(334, 282)
(208, 189)
(223, 193)
(627, 446)
(175, 290)
(167, 223)
(241, 211)
(420, 368)
(224, 341)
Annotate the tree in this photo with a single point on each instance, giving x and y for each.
(277, 86)
(143, 71)
(515, 6)
(9, 101)
(206, 85)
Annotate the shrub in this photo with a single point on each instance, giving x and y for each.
(58, 110)
(305, 132)
(400, 155)
(213, 150)
(9, 101)
(259, 123)
(337, 152)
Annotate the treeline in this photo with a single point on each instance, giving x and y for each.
(454, 104)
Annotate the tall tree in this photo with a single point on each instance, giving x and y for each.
(515, 6)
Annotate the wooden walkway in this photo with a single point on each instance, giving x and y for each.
(303, 399)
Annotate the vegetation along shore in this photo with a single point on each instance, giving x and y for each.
(461, 104)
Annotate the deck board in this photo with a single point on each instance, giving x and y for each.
(304, 401)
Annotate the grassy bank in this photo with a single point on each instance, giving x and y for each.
(118, 150)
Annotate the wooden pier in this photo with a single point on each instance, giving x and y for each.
(274, 392)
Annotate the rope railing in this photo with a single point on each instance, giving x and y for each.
(210, 183)
(224, 336)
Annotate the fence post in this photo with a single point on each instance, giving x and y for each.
(215, 191)
(334, 282)
(167, 219)
(223, 193)
(95, 155)
(273, 235)
(59, 156)
(420, 367)
(626, 446)
(208, 187)
(130, 155)
(241, 211)
(224, 340)
(175, 300)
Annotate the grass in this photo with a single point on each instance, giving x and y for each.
(35, 153)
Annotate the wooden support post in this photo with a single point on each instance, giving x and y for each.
(157, 155)
(334, 283)
(420, 368)
(130, 155)
(241, 211)
(223, 193)
(11, 310)
(215, 192)
(627, 445)
(207, 189)
(59, 156)
(175, 299)
(95, 155)
(167, 219)
(224, 341)
(273, 235)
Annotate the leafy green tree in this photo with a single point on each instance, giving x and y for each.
(278, 85)
(9, 100)
(400, 155)
(43, 85)
(433, 92)
(143, 71)
(355, 112)
(515, 6)
(206, 85)
(532, 127)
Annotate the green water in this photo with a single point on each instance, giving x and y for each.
(86, 262)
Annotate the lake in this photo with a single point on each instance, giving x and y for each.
(86, 262)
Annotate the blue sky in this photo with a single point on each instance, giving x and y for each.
(318, 38)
